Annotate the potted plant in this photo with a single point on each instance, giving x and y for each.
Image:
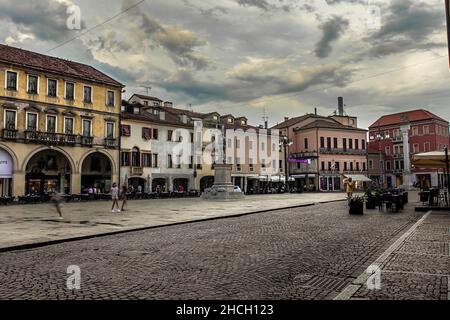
(371, 203)
(356, 204)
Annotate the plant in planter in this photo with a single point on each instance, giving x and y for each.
(356, 204)
(371, 200)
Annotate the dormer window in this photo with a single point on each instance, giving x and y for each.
(215, 118)
(230, 120)
(243, 122)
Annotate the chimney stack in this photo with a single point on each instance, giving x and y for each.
(340, 106)
(286, 118)
(315, 111)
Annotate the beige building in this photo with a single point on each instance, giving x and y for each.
(60, 125)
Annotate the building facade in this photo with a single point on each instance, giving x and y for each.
(211, 138)
(323, 150)
(398, 137)
(60, 125)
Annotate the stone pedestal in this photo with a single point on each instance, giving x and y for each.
(223, 188)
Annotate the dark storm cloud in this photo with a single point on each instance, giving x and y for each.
(331, 31)
(333, 2)
(45, 20)
(261, 4)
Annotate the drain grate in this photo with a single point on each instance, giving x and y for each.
(335, 284)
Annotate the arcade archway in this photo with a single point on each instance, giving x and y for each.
(96, 171)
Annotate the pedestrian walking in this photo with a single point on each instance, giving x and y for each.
(115, 198)
(124, 198)
(350, 187)
(56, 198)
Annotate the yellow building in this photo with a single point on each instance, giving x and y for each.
(60, 125)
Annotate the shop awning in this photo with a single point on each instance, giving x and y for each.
(358, 177)
(434, 159)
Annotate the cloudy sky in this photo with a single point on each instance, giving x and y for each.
(246, 56)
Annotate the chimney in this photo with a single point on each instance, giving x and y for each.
(340, 106)
(315, 111)
(168, 104)
(286, 118)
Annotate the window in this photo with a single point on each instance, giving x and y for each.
(356, 144)
(388, 165)
(147, 160)
(397, 133)
(322, 165)
(125, 130)
(335, 143)
(357, 166)
(135, 157)
(351, 166)
(32, 121)
(427, 147)
(32, 86)
(124, 159)
(350, 144)
(110, 130)
(344, 143)
(169, 135)
(169, 161)
(147, 133)
(70, 91)
(154, 160)
(370, 164)
(328, 143)
(192, 137)
(155, 134)
(238, 143)
(416, 148)
(322, 142)
(306, 143)
(52, 87)
(68, 125)
(87, 94)
(337, 166)
(345, 166)
(388, 151)
(110, 99)
(11, 80)
(364, 166)
(329, 166)
(51, 124)
(10, 119)
(363, 144)
(426, 129)
(415, 131)
(87, 132)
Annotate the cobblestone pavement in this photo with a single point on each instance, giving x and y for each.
(304, 253)
(420, 267)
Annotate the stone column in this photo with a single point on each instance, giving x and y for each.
(75, 182)
(18, 184)
(407, 180)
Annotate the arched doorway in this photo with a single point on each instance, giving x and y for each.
(48, 171)
(183, 182)
(206, 182)
(6, 173)
(161, 182)
(136, 182)
(96, 172)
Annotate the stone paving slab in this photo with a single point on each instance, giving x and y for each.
(31, 224)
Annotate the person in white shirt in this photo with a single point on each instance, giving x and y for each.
(115, 198)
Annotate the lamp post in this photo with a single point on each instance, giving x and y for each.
(286, 143)
(379, 138)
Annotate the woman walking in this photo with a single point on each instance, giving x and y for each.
(124, 198)
(115, 198)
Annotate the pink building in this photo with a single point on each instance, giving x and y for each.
(324, 149)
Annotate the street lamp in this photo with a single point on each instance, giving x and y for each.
(286, 142)
(379, 138)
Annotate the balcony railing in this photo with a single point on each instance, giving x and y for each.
(50, 137)
(110, 142)
(87, 141)
(302, 155)
(9, 134)
(343, 151)
(137, 171)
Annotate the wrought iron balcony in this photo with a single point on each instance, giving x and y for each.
(137, 171)
(359, 152)
(10, 134)
(50, 137)
(87, 141)
(110, 142)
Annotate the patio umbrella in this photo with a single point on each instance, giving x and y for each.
(434, 159)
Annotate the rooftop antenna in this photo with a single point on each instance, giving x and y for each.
(148, 89)
(265, 119)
